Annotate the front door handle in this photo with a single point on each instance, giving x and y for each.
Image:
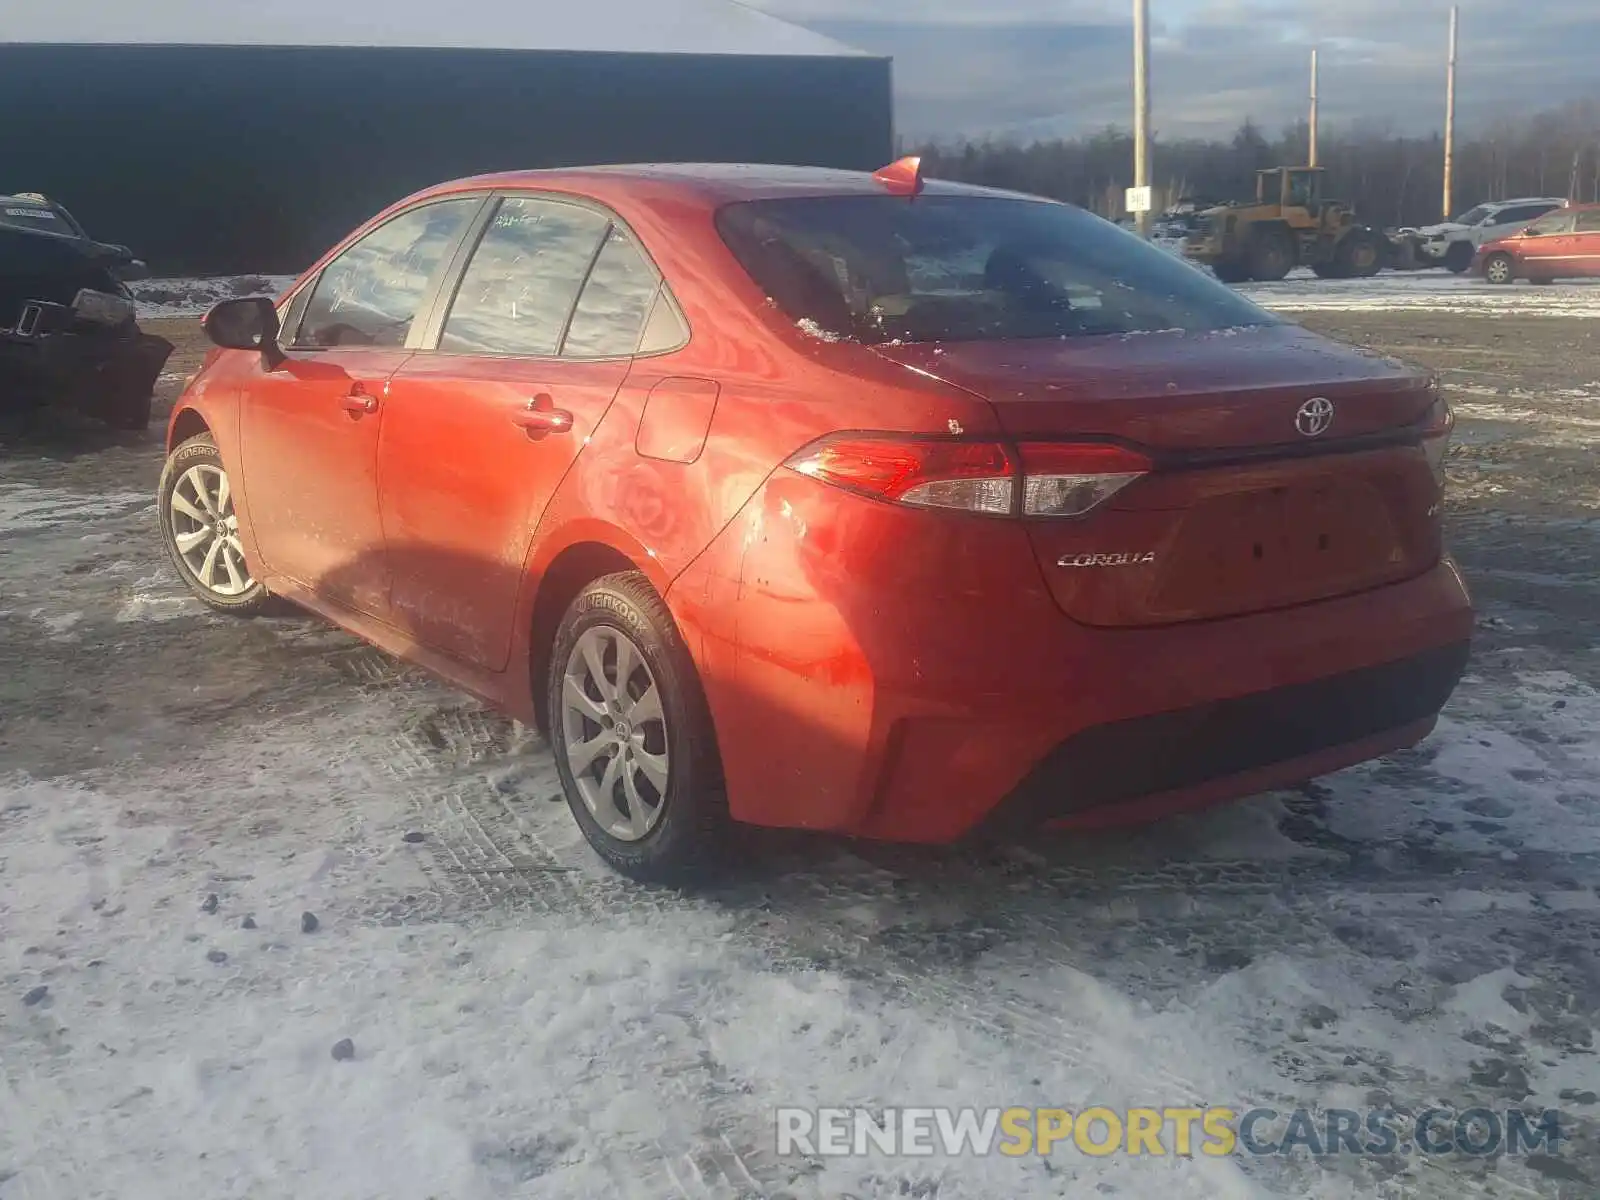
(542, 418)
(358, 403)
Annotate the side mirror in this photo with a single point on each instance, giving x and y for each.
(249, 324)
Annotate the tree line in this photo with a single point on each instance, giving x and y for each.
(1392, 179)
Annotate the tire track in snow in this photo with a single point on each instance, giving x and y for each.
(506, 847)
(492, 854)
(502, 852)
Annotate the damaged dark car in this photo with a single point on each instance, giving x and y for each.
(69, 334)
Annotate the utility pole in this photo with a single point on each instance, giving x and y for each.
(1312, 157)
(1450, 118)
(1141, 105)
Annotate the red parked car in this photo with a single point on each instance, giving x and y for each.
(828, 500)
(1563, 245)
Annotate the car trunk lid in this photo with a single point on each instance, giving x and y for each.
(1287, 468)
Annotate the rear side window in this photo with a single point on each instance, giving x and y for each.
(611, 311)
(1523, 214)
(665, 329)
(968, 268)
(1589, 221)
(518, 291)
(371, 293)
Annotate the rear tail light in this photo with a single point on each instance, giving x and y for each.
(969, 476)
(1441, 423)
(1042, 479)
(1067, 479)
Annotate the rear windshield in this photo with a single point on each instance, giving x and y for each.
(968, 268)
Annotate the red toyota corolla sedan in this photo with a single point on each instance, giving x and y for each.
(1562, 245)
(845, 502)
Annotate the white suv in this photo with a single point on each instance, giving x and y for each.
(1453, 243)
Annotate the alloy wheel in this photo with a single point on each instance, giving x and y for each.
(205, 531)
(1499, 271)
(615, 733)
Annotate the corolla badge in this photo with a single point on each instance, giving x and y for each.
(1314, 416)
(1127, 558)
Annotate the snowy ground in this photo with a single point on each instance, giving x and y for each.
(166, 298)
(1431, 291)
(1419, 931)
(1426, 291)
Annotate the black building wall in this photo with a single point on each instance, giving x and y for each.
(232, 159)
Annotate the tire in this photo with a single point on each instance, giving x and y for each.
(1458, 258)
(192, 483)
(1231, 271)
(1271, 255)
(1500, 270)
(669, 825)
(1359, 255)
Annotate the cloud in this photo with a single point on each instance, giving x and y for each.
(1044, 67)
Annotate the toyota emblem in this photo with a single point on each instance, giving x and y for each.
(1314, 417)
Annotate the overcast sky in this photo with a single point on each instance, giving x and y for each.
(1026, 67)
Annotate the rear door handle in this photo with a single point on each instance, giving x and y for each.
(542, 418)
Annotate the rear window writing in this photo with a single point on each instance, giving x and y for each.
(968, 268)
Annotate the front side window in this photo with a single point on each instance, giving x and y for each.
(1555, 223)
(518, 292)
(371, 293)
(968, 268)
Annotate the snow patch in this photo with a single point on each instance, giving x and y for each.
(155, 608)
(1503, 790)
(1481, 1001)
(25, 507)
(59, 626)
(1424, 291)
(159, 299)
(811, 329)
(485, 1056)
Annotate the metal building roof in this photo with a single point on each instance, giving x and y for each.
(638, 26)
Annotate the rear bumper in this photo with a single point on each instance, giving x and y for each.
(875, 672)
(1129, 770)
